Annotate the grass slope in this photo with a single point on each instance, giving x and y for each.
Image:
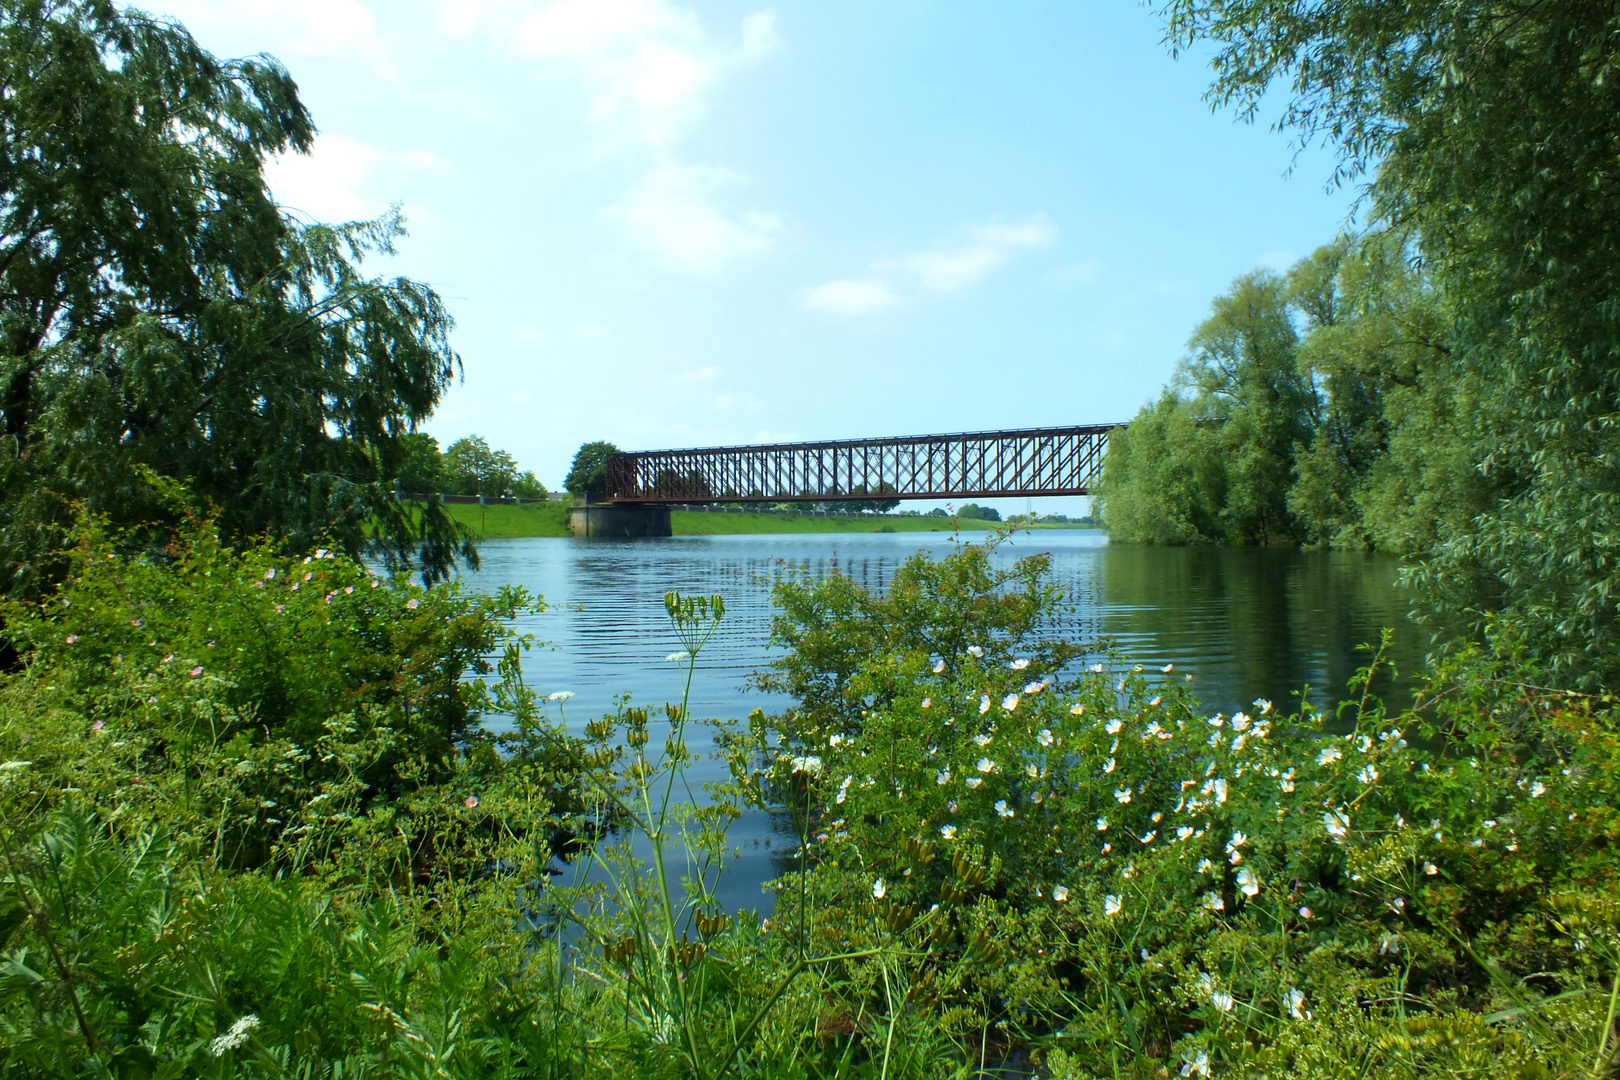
(551, 519)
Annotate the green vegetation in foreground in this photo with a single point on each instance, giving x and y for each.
(255, 823)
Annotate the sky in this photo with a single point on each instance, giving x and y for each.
(716, 223)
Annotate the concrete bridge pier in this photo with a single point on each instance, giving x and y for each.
(592, 520)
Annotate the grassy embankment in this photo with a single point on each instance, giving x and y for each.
(551, 519)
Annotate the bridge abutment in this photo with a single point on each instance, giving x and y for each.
(621, 520)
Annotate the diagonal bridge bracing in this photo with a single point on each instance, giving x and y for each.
(1035, 461)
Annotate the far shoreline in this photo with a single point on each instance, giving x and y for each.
(550, 519)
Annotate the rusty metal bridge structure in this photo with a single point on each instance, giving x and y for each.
(984, 464)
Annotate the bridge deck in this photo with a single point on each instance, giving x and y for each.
(985, 464)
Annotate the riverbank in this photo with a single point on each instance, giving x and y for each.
(551, 519)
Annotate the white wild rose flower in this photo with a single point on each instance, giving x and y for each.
(1248, 882)
(1123, 794)
(1214, 902)
(1044, 737)
(879, 889)
(1010, 702)
(1002, 809)
(982, 739)
(975, 652)
(1337, 824)
(1018, 665)
(984, 704)
(1328, 754)
(948, 831)
(1113, 726)
(1108, 768)
(1060, 893)
(1112, 903)
(986, 766)
(974, 781)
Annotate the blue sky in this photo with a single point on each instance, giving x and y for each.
(685, 224)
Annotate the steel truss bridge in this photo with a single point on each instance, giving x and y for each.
(986, 464)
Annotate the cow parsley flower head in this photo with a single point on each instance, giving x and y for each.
(559, 695)
(235, 1037)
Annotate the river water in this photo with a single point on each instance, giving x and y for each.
(1245, 622)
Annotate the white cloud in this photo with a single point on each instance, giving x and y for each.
(949, 269)
(646, 65)
(671, 213)
(287, 28)
(862, 296)
(648, 68)
(702, 374)
(723, 402)
(338, 180)
(945, 269)
(1085, 272)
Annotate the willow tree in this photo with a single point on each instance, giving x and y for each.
(159, 313)
(1488, 130)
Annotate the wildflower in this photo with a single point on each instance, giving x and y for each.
(1018, 665)
(1044, 737)
(975, 652)
(1205, 866)
(1217, 788)
(951, 806)
(973, 781)
(1363, 744)
(1240, 722)
(1294, 999)
(927, 702)
(309, 575)
(1108, 768)
(472, 801)
(1396, 905)
(1305, 913)
(678, 657)
(1077, 709)
(1152, 730)
(98, 725)
(1217, 720)
(1214, 902)
(1106, 848)
(1032, 771)
(1222, 1000)
(1155, 701)
(948, 831)
(1248, 882)
(943, 776)
(72, 639)
(1184, 831)
(1537, 790)
(1123, 794)
(1330, 753)
(1010, 702)
(1102, 824)
(1147, 838)
(1237, 841)
(1113, 726)
(1287, 782)
(1337, 824)
(1168, 668)
(1430, 869)
(1112, 904)
(1389, 945)
(985, 765)
(1060, 893)
(1096, 667)
(235, 1037)
(347, 589)
(559, 695)
(1263, 705)
(939, 666)
(984, 704)
(1002, 809)
(413, 603)
(879, 889)
(810, 765)
(196, 671)
(1034, 687)
(270, 574)
(1197, 1065)
(1237, 743)
(981, 740)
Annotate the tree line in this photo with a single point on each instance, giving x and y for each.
(1445, 385)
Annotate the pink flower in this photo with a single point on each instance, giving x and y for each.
(71, 638)
(472, 801)
(98, 725)
(196, 671)
(348, 589)
(281, 607)
(134, 622)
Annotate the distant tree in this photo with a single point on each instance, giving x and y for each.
(975, 512)
(473, 468)
(421, 470)
(589, 470)
(938, 511)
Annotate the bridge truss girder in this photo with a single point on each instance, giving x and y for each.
(985, 464)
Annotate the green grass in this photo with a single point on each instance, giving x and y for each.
(551, 519)
(505, 522)
(696, 523)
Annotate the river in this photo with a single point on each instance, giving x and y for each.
(1245, 622)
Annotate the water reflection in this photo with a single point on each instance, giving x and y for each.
(1246, 623)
